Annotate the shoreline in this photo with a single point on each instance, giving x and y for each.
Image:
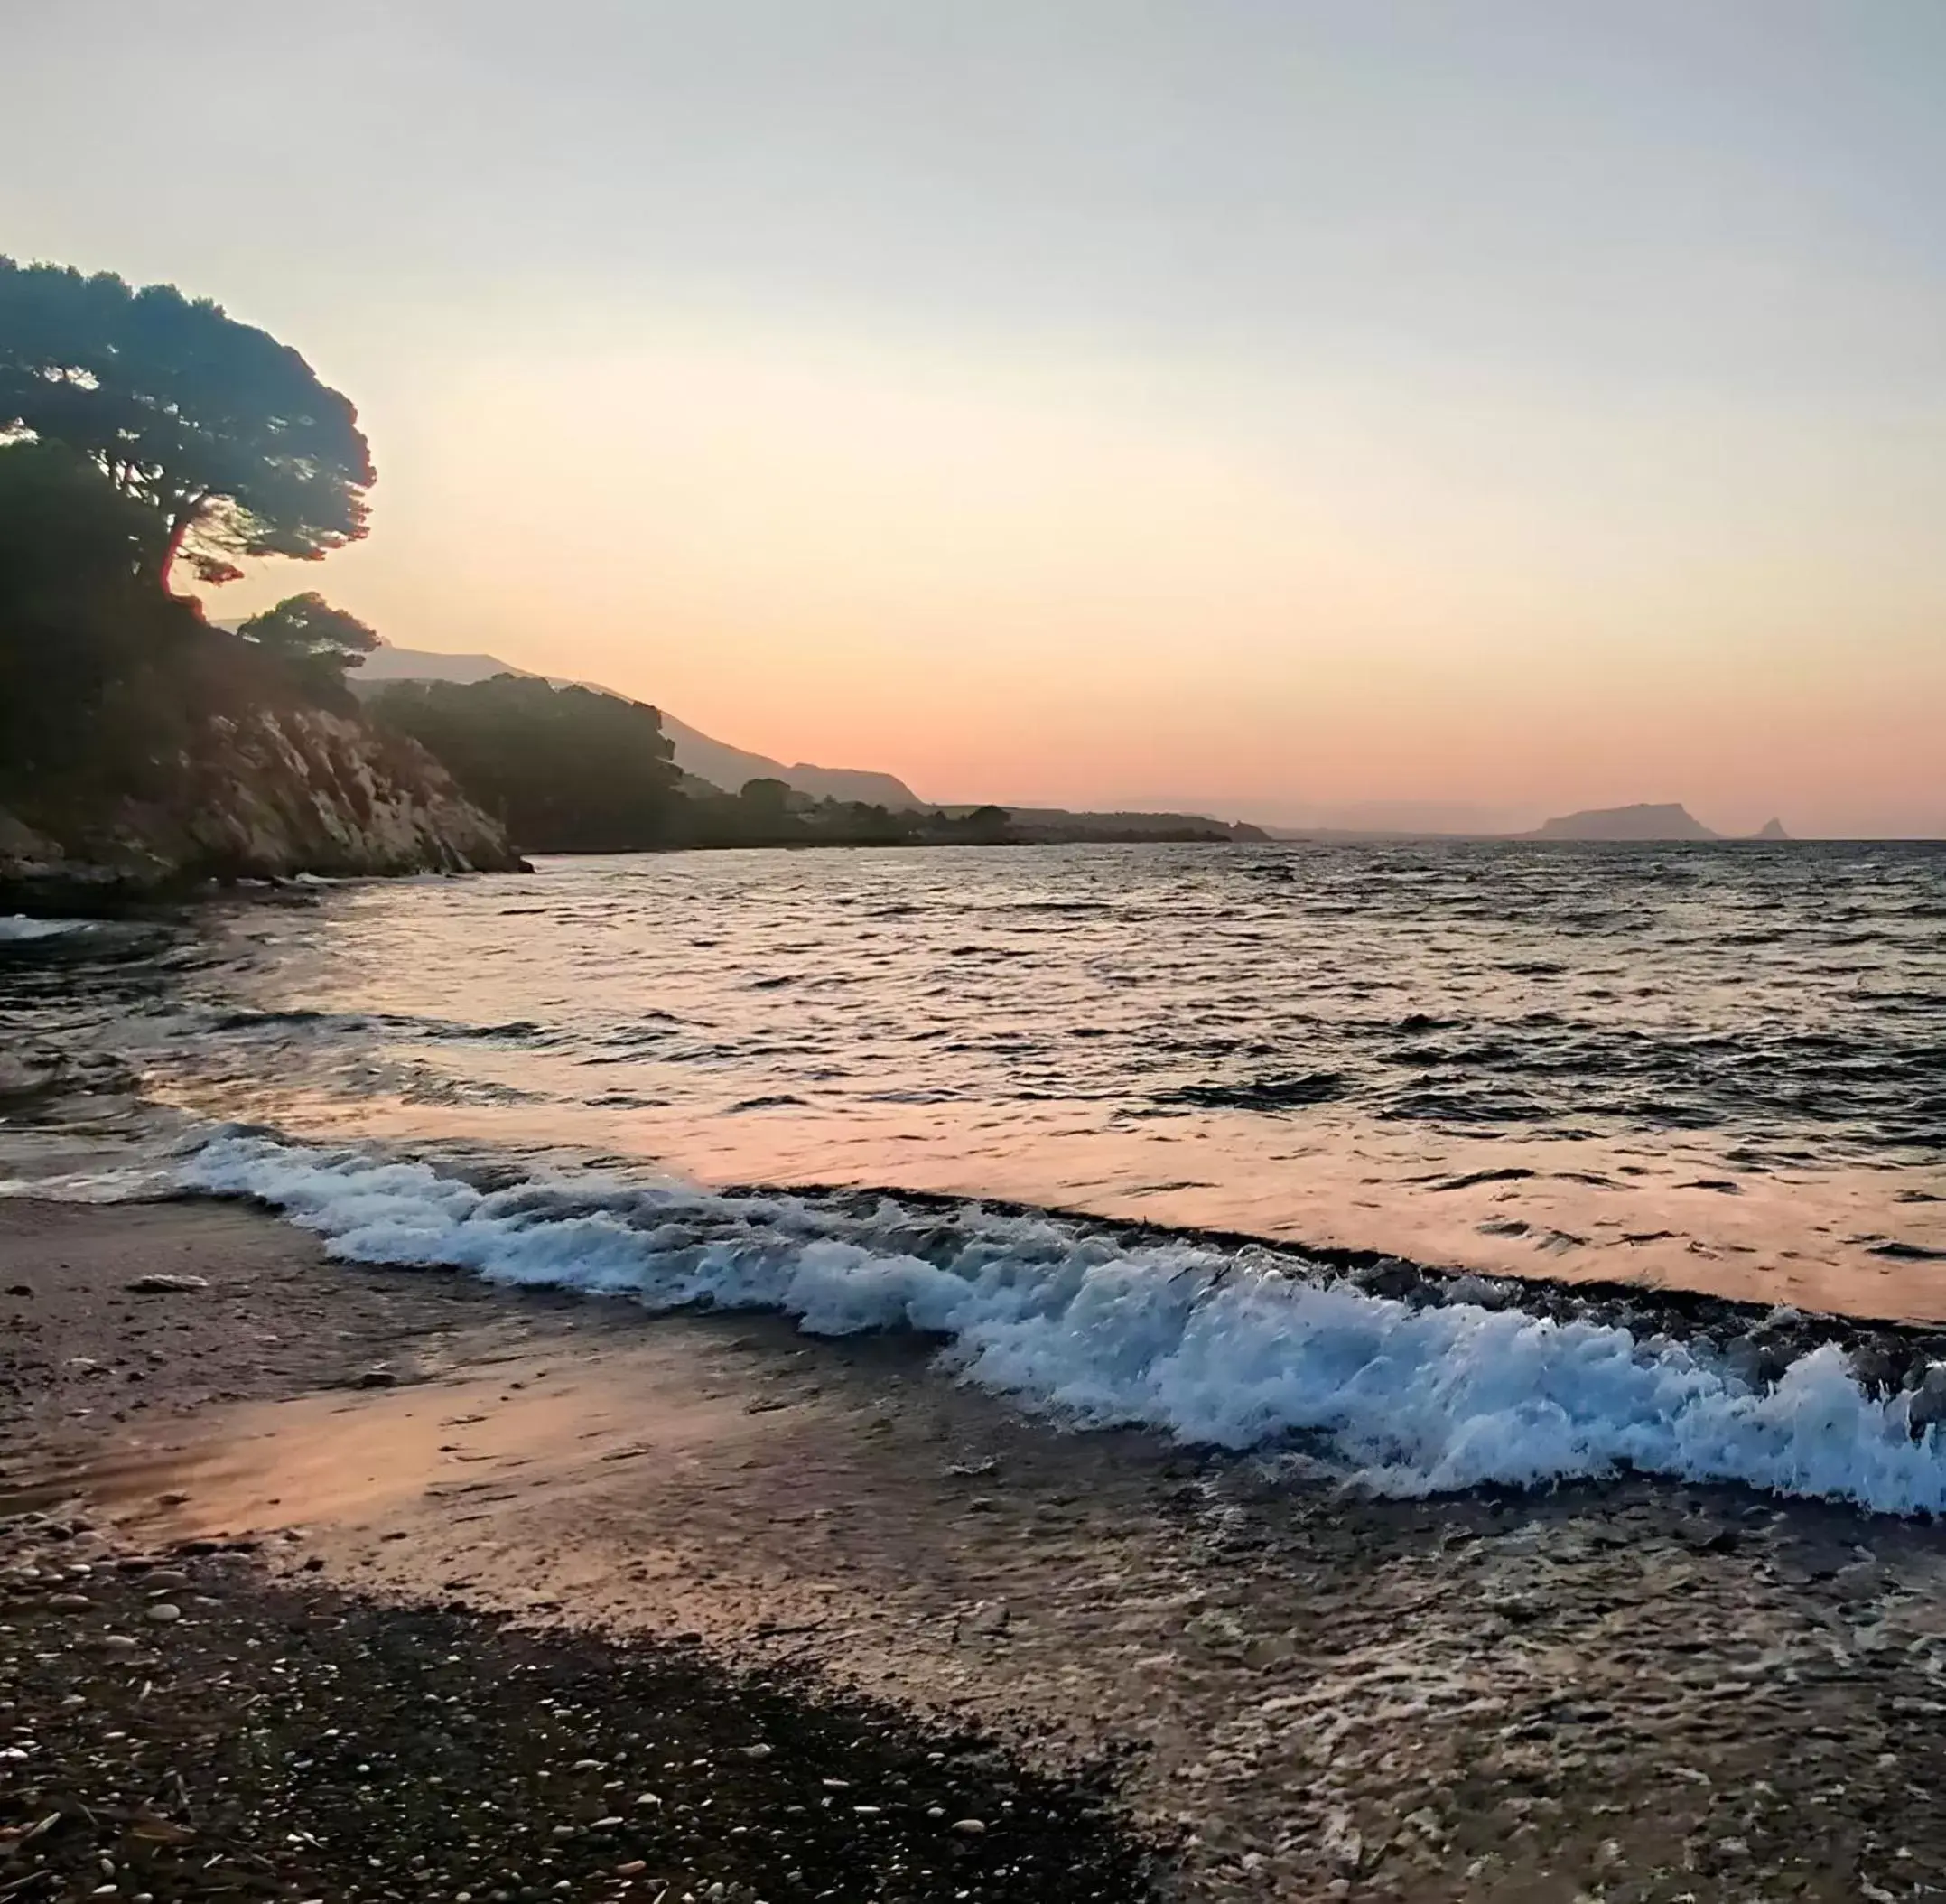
(1685, 1386)
(1632, 1690)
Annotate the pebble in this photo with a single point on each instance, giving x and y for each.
(166, 1285)
(163, 1614)
(70, 1602)
(968, 1827)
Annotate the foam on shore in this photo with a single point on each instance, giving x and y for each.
(1242, 1349)
(17, 928)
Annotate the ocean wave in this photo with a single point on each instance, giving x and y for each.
(1241, 1349)
(17, 928)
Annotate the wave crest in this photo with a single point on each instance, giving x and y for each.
(1242, 1349)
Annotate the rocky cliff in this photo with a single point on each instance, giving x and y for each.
(263, 792)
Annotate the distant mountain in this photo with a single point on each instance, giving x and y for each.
(387, 663)
(729, 768)
(696, 754)
(1772, 830)
(1627, 823)
(1057, 824)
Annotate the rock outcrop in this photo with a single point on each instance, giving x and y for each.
(1647, 823)
(266, 792)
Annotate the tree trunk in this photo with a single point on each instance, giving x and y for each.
(179, 525)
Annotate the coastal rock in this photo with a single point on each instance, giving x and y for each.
(1644, 822)
(265, 790)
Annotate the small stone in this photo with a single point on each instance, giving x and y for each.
(968, 1827)
(632, 1868)
(377, 1378)
(757, 1751)
(163, 1614)
(70, 1602)
(166, 1285)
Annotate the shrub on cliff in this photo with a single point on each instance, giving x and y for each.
(313, 642)
(566, 769)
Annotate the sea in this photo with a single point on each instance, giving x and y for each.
(1436, 1165)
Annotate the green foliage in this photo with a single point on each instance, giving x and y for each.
(108, 685)
(313, 642)
(225, 433)
(767, 801)
(984, 827)
(307, 626)
(570, 770)
(565, 769)
(64, 529)
(83, 633)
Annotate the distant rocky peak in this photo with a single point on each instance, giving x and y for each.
(1644, 822)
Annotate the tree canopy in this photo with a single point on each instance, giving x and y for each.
(226, 434)
(571, 770)
(307, 627)
(565, 769)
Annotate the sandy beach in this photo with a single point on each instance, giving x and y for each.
(1635, 1690)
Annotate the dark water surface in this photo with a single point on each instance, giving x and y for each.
(1718, 1065)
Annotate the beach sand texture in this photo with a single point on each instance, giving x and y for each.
(1620, 1691)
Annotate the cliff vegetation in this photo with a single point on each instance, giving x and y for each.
(139, 745)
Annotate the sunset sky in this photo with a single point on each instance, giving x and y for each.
(1311, 410)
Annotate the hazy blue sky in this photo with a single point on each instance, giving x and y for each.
(1297, 404)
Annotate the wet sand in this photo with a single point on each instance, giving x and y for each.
(1633, 1691)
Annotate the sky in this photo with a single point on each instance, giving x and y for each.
(1314, 410)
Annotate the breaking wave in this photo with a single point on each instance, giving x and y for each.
(1250, 1348)
(17, 928)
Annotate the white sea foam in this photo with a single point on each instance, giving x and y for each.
(139, 1183)
(1209, 1346)
(17, 928)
